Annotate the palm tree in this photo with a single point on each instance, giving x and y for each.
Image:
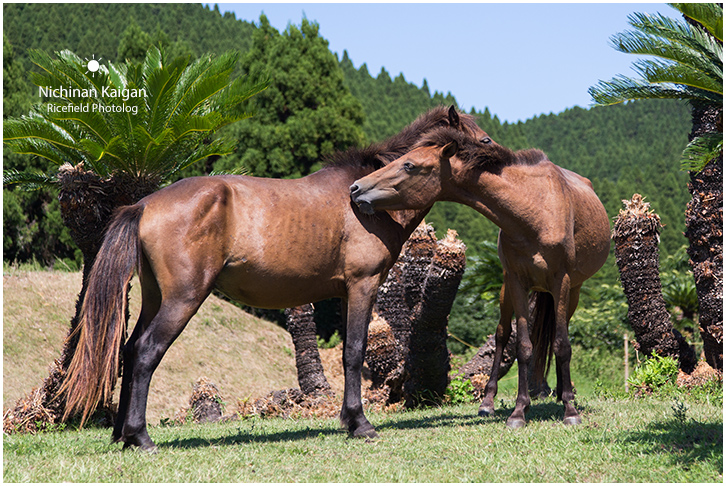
(310, 373)
(636, 234)
(115, 133)
(689, 67)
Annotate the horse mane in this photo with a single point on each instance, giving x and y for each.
(379, 154)
(471, 150)
(530, 156)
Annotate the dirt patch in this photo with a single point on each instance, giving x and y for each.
(700, 376)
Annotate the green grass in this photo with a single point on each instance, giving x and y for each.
(636, 440)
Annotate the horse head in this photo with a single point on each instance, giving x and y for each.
(444, 162)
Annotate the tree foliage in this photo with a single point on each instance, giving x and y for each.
(307, 112)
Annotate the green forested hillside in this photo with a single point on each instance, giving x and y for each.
(96, 29)
(623, 149)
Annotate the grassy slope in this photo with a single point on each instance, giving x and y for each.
(242, 355)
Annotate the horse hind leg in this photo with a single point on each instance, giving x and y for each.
(149, 347)
(566, 306)
(150, 303)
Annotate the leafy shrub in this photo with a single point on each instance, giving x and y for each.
(334, 340)
(459, 391)
(597, 370)
(657, 373)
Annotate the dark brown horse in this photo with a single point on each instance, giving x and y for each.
(265, 242)
(554, 234)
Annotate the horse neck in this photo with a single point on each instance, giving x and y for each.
(409, 219)
(503, 202)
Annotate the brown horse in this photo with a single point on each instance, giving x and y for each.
(264, 242)
(554, 234)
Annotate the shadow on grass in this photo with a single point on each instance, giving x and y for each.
(249, 436)
(254, 432)
(685, 442)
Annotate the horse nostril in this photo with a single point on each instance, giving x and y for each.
(354, 188)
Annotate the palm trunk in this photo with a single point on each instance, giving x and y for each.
(394, 308)
(704, 230)
(479, 367)
(636, 235)
(428, 359)
(406, 352)
(310, 375)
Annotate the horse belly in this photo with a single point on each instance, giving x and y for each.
(293, 265)
(277, 289)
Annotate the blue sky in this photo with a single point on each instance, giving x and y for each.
(519, 60)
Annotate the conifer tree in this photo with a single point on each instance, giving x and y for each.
(306, 113)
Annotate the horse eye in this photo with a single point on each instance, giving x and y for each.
(486, 140)
(408, 166)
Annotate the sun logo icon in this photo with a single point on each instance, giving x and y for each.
(93, 65)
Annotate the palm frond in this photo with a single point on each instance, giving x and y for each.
(689, 63)
(185, 103)
(218, 147)
(700, 56)
(234, 171)
(34, 136)
(710, 15)
(621, 89)
(29, 180)
(701, 151)
(656, 72)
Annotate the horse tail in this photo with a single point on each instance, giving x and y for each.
(101, 328)
(542, 312)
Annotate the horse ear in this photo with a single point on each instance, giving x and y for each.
(450, 149)
(453, 117)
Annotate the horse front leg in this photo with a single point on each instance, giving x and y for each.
(501, 338)
(566, 303)
(358, 305)
(524, 354)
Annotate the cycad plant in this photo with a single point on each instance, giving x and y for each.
(115, 134)
(689, 66)
(146, 120)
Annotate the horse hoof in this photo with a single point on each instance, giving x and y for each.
(365, 433)
(150, 450)
(147, 449)
(516, 423)
(486, 411)
(576, 420)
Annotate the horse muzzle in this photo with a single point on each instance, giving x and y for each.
(357, 196)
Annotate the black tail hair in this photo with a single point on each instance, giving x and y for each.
(542, 311)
